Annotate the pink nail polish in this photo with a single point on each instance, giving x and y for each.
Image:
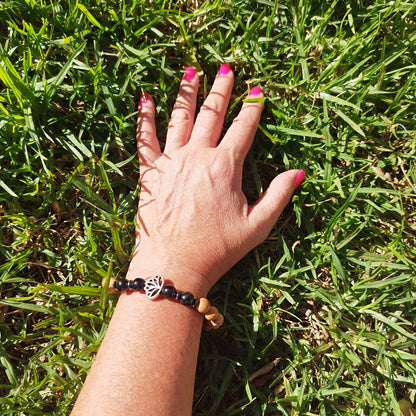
(144, 97)
(255, 91)
(224, 69)
(189, 73)
(299, 178)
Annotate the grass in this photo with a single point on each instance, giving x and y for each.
(325, 308)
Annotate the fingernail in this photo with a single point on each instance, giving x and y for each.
(224, 69)
(255, 91)
(189, 73)
(144, 97)
(299, 178)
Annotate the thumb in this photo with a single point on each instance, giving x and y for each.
(266, 211)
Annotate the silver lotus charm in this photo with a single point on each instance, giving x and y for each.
(153, 286)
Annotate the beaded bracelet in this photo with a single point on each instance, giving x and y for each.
(154, 286)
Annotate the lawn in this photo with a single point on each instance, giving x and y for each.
(320, 318)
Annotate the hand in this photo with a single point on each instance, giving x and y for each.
(194, 222)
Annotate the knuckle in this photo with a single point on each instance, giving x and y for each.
(223, 166)
(211, 108)
(247, 118)
(179, 118)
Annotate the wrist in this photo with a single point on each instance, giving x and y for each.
(183, 277)
(155, 286)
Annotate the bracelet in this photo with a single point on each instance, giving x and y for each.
(155, 285)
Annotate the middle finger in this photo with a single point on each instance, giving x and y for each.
(209, 122)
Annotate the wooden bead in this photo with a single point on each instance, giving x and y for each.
(218, 321)
(214, 324)
(211, 314)
(208, 325)
(203, 305)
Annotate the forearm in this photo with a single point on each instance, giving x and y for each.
(146, 363)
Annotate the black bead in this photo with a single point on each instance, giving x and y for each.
(168, 292)
(187, 298)
(121, 284)
(195, 303)
(115, 283)
(137, 284)
(178, 295)
(129, 284)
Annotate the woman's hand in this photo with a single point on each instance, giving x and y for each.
(193, 218)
